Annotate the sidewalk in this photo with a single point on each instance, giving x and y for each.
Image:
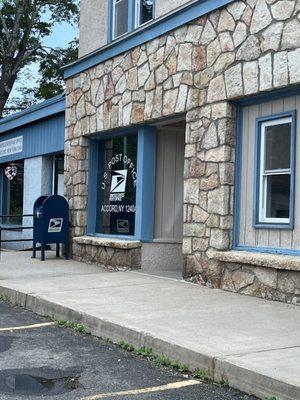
(254, 343)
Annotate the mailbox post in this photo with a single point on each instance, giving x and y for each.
(50, 223)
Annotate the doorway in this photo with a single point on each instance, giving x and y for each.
(164, 256)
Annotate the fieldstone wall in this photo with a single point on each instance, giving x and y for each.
(270, 276)
(246, 48)
(272, 284)
(114, 255)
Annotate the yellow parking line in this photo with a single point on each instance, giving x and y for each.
(21, 328)
(169, 386)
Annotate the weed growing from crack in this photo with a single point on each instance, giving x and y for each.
(80, 328)
(202, 374)
(5, 299)
(126, 346)
(224, 382)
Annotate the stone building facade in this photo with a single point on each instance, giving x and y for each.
(203, 72)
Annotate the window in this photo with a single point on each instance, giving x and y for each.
(58, 174)
(13, 191)
(120, 17)
(116, 197)
(144, 11)
(130, 14)
(276, 170)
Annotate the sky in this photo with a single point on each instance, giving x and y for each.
(62, 34)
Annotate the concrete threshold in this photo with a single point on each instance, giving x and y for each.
(253, 343)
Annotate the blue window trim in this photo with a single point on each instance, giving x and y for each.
(258, 99)
(237, 178)
(257, 153)
(149, 31)
(146, 172)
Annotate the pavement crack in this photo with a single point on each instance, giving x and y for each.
(256, 352)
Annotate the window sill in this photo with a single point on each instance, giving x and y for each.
(275, 261)
(108, 242)
(274, 225)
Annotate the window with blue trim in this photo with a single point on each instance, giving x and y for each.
(127, 15)
(275, 165)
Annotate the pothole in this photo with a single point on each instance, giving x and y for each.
(35, 382)
(6, 342)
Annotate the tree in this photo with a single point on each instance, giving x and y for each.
(23, 25)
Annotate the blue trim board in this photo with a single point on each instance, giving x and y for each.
(37, 112)
(145, 189)
(290, 90)
(110, 21)
(238, 176)
(257, 146)
(93, 162)
(145, 33)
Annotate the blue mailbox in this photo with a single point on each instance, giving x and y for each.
(50, 223)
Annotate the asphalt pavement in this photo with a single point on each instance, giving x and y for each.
(38, 360)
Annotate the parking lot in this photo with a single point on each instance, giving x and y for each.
(40, 358)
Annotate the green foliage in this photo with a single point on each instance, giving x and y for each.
(23, 26)
(80, 328)
(162, 361)
(202, 375)
(5, 299)
(271, 398)
(145, 352)
(126, 346)
(52, 80)
(180, 367)
(224, 382)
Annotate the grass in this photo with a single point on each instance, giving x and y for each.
(271, 398)
(5, 299)
(224, 382)
(202, 374)
(126, 346)
(80, 328)
(158, 359)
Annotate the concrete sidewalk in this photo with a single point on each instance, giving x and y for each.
(253, 343)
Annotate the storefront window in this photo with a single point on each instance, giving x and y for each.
(116, 192)
(13, 191)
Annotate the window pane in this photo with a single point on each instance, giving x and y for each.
(14, 175)
(278, 196)
(117, 186)
(59, 175)
(277, 146)
(146, 11)
(121, 17)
